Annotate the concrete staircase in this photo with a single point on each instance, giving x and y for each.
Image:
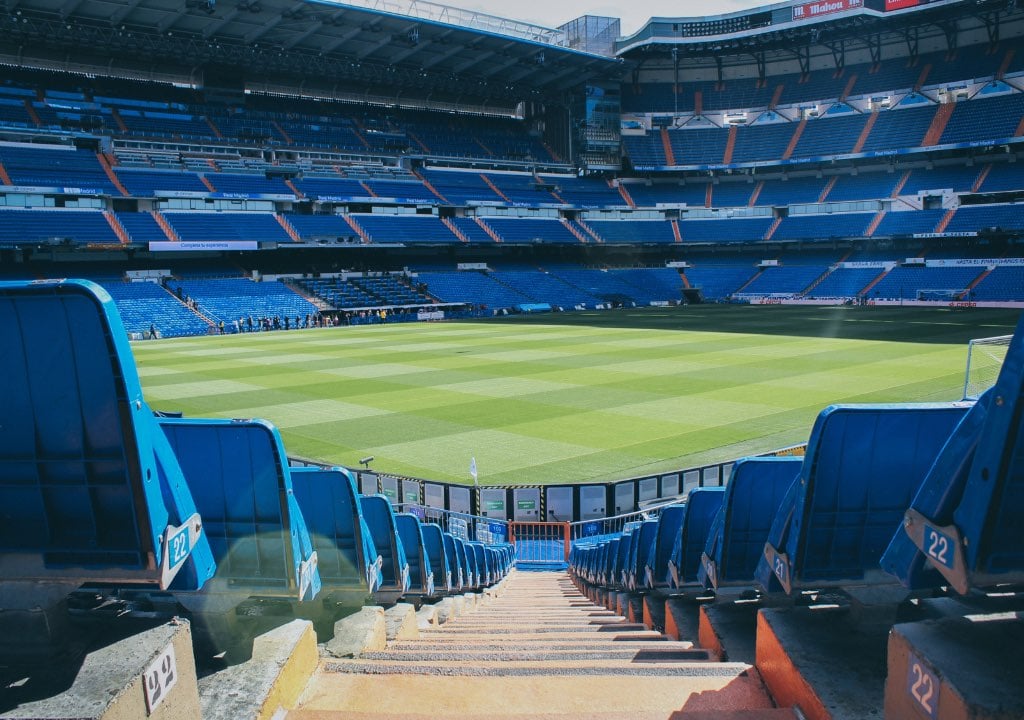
(730, 145)
(865, 131)
(104, 162)
(939, 122)
(624, 192)
(537, 648)
(666, 144)
(797, 134)
(117, 227)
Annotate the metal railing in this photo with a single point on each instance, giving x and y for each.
(545, 543)
(606, 527)
(461, 525)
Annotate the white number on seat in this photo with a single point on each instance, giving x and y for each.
(923, 687)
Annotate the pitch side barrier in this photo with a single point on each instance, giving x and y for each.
(575, 504)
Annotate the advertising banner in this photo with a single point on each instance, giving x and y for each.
(811, 10)
(900, 4)
(199, 245)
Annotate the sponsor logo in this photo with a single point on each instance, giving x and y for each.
(823, 7)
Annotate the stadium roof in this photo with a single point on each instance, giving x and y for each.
(781, 27)
(416, 47)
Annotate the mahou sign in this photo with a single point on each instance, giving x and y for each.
(823, 7)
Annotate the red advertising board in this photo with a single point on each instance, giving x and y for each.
(900, 4)
(811, 10)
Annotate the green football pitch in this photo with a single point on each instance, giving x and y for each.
(575, 397)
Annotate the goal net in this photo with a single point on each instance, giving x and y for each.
(984, 359)
(942, 294)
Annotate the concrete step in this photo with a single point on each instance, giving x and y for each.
(766, 714)
(457, 628)
(336, 696)
(658, 654)
(538, 651)
(550, 635)
(579, 667)
(597, 645)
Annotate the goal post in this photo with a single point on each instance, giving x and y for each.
(984, 360)
(942, 294)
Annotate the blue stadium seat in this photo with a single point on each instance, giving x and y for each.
(494, 560)
(606, 562)
(618, 564)
(31, 226)
(670, 522)
(346, 556)
(965, 521)
(639, 551)
(474, 571)
(582, 556)
(702, 505)
(394, 571)
(455, 562)
(90, 491)
(483, 566)
(238, 473)
(440, 561)
(862, 467)
(737, 535)
(146, 304)
(595, 570)
(421, 573)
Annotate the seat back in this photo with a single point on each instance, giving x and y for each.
(433, 541)
(934, 503)
(483, 569)
(606, 569)
(89, 489)
(702, 505)
(475, 571)
(620, 561)
(494, 559)
(967, 516)
(380, 519)
(639, 549)
(421, 575)
(670, 521)
(468, 564)
(239, 476)
(863, 465)
(737, 535)
(455, 561)
(329, 501)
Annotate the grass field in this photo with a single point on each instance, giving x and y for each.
(567, 398)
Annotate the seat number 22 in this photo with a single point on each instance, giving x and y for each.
(938, 546)
(923, 686)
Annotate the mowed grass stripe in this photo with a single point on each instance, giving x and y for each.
(566, 398)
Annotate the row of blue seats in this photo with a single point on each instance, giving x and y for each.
(81, 171)
(918, 495)
(855, 79)
(290, 123)
(98, 491)
(992, 118)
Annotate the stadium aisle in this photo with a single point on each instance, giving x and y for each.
(538, 650)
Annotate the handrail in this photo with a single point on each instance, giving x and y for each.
(466, 526)
(597, 529)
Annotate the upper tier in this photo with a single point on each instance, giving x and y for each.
(893, 74)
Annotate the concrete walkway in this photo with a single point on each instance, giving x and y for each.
(539, 650)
